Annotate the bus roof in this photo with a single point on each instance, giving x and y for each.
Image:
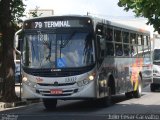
(60, 16)
(123, 26)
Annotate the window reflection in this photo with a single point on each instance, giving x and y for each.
(134, 51)
(117, 36)
(126, 50)
(58, 50)
(110, 49)
(156, 54)
(119, 51)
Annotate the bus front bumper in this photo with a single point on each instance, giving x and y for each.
(88, 92)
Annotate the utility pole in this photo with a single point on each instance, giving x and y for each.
(88, 13)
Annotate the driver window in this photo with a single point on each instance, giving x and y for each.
(109, 49)
(109, 34)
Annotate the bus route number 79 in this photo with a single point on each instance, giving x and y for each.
(38, 24)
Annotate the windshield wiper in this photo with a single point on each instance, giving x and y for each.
(67, 41)
(49, 54)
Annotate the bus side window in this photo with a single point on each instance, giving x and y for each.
(133, 50)
(109, 34)
(99, 30)
(140, 40)
(126, 50)
(133, 38)
(125, 36)
(117, 36)
(110, 49)
(119, 51)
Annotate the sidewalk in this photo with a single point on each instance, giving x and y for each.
(4, 105)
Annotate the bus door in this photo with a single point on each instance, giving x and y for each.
(100, 45)
(100, 51)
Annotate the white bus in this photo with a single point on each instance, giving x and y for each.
(82, 57)
(156, 70)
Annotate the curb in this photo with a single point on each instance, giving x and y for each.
(4, 105)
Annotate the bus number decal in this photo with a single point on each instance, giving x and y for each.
(70, 79)
(38, 25)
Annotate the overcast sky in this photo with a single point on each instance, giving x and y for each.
(96, 7)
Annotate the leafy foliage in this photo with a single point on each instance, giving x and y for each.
(145, 8)
(17, 9)
(35, 12)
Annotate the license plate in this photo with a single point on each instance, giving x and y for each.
(56, 91)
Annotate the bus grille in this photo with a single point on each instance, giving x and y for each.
(64, 93)
(59, 84)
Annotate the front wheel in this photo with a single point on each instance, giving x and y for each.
(138, 92)
(106, 101)
(50, 104)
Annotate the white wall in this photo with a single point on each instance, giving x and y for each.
(42, 12)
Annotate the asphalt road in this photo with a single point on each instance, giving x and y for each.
(146, 107)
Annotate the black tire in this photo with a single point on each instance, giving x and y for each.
(129, 94)
(50, 104)
(106, 101)
(152, 87)
(138, 92)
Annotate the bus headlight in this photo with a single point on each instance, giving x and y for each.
(28, 82)
(24, 79)
(91, 77)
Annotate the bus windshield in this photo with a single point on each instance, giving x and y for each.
(58, 50)
(156, 57)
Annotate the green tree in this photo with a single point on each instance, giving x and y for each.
(10, 13)
(35, 12)
(144, 8)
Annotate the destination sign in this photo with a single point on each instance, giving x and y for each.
(51, 24)
(56, 24)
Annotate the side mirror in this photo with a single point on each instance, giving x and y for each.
(16, 38)
(17, 41)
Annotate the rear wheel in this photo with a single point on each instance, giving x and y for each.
(152, 87)
(50, 104)
(138, 92)
(129, 94)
